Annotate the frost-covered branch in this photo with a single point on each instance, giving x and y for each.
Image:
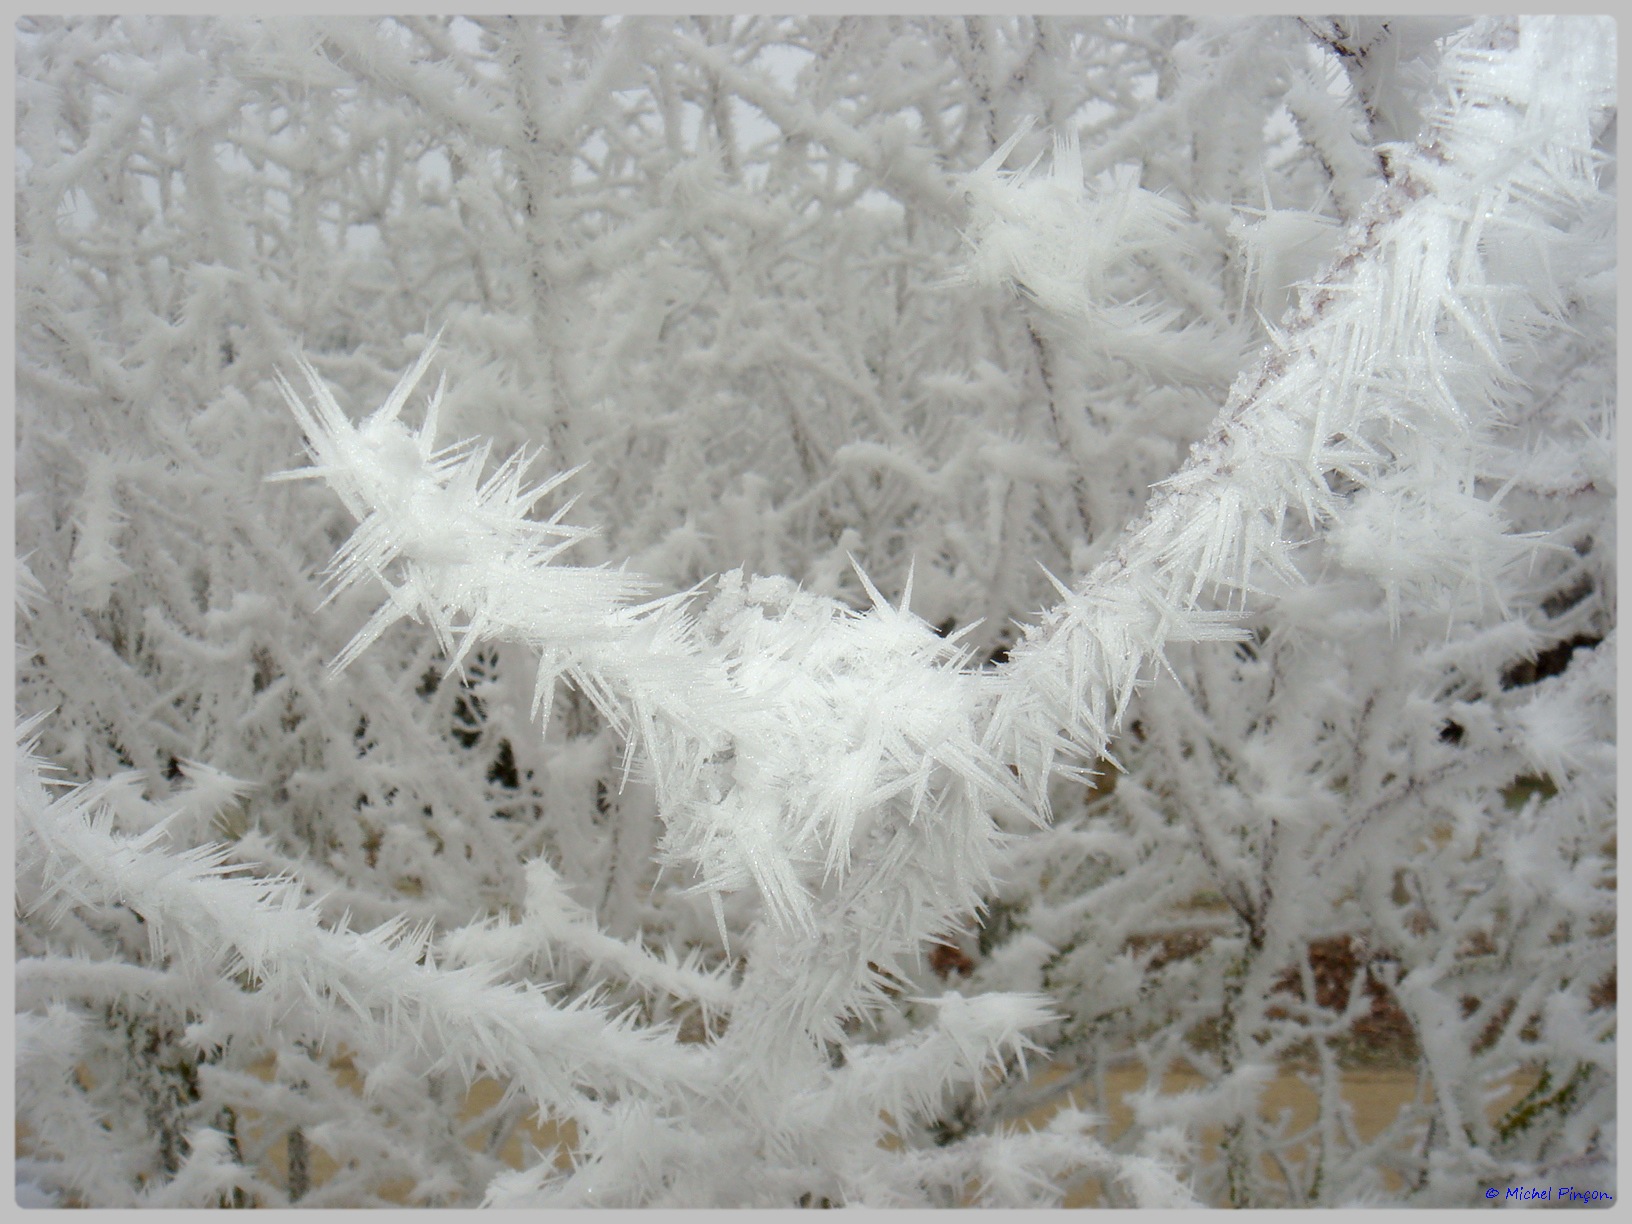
(215, 924)
(1388, 376)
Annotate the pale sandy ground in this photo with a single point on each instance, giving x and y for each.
(1374, 1095)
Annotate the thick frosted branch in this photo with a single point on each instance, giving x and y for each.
(784, 732)
(1395, 362)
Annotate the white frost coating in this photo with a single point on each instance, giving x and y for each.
(781, 845)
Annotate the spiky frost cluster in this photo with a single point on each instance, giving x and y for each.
(1081, 255)
(467, 549)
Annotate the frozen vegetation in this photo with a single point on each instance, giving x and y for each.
(797, 591)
